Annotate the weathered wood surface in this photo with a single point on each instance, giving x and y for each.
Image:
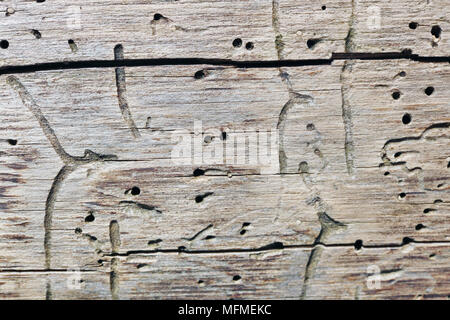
(362, 154)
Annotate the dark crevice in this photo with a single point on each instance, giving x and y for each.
(278, 246)
(221, 62)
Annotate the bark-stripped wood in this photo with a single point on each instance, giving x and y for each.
(352, 203)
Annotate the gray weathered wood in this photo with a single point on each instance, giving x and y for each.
(346, 166)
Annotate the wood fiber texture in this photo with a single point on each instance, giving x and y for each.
(352, 203)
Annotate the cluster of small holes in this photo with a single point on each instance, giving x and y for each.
(406, 119)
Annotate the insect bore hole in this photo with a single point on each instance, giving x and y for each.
(406, 119)
(90, 217)
(358, 244)
(429, 91)
(419, 226)
(413, 25)
(396, 95)
(157, 16)
(237, 42)
(198, 172)
(436, 31)
(249, 46)
(199, 74)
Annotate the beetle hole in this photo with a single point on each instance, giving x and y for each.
(420, 226)
(90, 217)
(135, 191)
(413, 25)
(312, 42)
(407, 240)
(406, 119)
(199, 74)
(429, 91)
(157, 16)
(12, 142)
(436, 31)
(358, 244)
(4, 44)
(396, 95)
(249, 46)
(198, 172)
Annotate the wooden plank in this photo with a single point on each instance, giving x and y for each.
(302, 180)
(411, 272)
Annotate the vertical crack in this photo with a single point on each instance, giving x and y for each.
(345, 80)
(122, 91)
(114, 237)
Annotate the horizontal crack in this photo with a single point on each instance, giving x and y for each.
(274, 246)
(83, 64)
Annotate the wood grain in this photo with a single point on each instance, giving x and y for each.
(356, 189)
